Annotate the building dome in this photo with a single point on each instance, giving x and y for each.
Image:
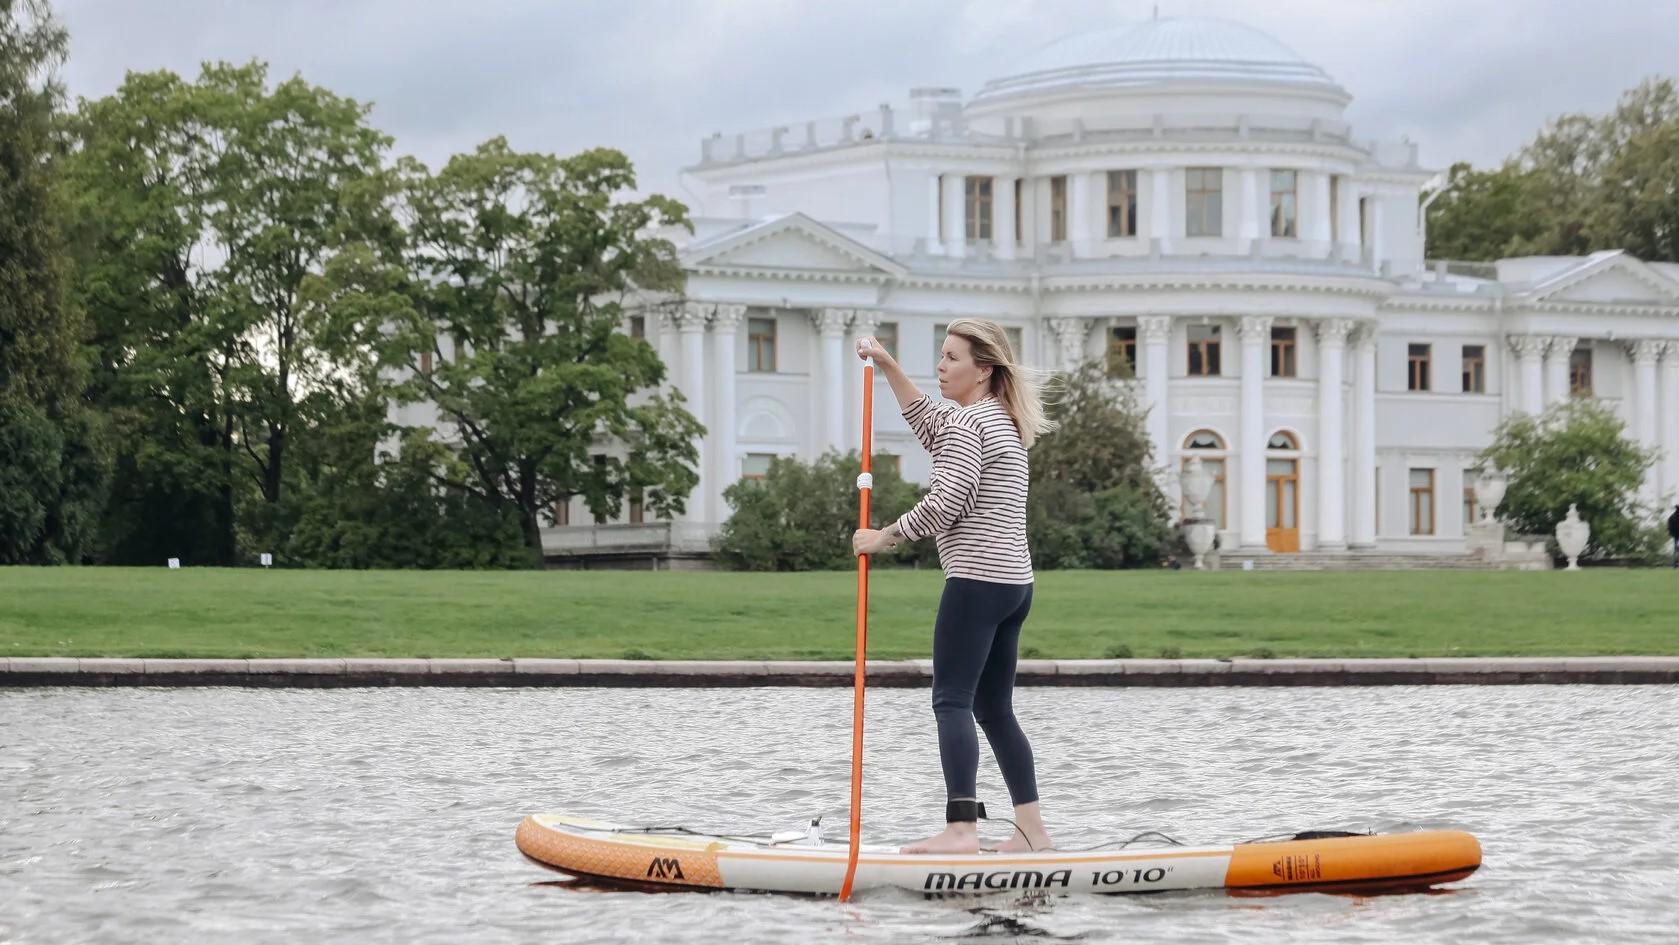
(1154, 52)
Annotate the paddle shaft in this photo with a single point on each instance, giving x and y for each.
(865, 485)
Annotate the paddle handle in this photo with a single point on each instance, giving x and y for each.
(865, 486)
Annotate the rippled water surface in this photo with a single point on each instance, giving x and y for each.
(382, 815)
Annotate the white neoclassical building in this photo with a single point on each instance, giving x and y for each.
(1183, 194)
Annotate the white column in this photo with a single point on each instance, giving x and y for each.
(1069, 341)
(691, 321)
(1364, 449)
(1645, 408)
(955, 215)
(1557, 354)
(1078, 213)
(1529, 349)
(725, 324)
(1002, 223)
(1670, 423)
(1332, 502)
(667, 346)
(935, 186)
(830, 324)
(1247, 225)
(1314, 226)
(1160, 207)
(863, 324)
(1255, 333)
(1153, 333)
(1347, 207)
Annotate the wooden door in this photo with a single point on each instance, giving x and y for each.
(1282, 505)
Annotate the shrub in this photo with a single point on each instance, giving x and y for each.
(800, 517)
(1575, 453)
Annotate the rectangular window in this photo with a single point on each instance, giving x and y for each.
(939, 331)
(1580, 371)
(1122, 351)
(1422, 501)
(940, 181)
(755, 465)
(1474, 369)
(976, 207)
(888, 462)
(1335, 209)
(1285, 197)
(1283, 352)
(638, 512)
(1122, 204)
(1058, 209)
(1015, 341)
(1363, 221)
(887, 335)
(562, 511)
(760, 345)
(638, 326)
(425, 363)
(1470, 511)
(1203, 351)
(1204, 201)
(1419, 358)
(1019, 214)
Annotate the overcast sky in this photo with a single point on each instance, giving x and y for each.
(1466, 79)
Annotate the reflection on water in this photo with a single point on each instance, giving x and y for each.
(388, 815)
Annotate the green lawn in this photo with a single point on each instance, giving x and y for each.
(1084, 614)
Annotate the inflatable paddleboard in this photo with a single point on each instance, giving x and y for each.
(675, 858)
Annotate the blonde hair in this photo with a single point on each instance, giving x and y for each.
(1017, 387)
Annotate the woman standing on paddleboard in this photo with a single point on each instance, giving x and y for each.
(976, 507)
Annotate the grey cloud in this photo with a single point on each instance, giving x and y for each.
(652, 77)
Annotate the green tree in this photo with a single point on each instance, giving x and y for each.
(138, 189)
(800, 517)
(1574, 453)
(53, 461)
(1583, 184)
(203, 210)
(357, 513)
(1636, 203)
(1094, 501)
(1480, 214)
(524, 261)
(286, 161)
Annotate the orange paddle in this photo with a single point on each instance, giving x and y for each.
(865, 485)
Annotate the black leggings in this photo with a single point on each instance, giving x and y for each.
(974, 651)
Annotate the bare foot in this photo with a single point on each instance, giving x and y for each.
(958, 837)
(1018, 844)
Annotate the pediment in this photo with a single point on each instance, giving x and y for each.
(791, 243)
(1610, 279)
(789, 249)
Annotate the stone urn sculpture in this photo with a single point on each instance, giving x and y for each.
(1489, 491)
(1197, 528)
(1572, 534)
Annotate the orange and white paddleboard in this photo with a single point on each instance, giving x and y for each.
(677, 859)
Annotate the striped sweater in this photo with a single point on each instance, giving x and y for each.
(976, 503)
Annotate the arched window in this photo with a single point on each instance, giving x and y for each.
(1283, 440)
(1209, 446)
(1203, 440)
